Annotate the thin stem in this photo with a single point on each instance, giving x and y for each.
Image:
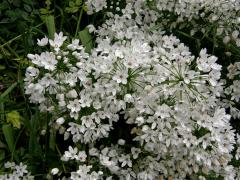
(59, 152)
(78, 22)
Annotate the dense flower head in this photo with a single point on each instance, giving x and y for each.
(170, 100)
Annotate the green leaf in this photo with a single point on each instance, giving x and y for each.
(14, 117)
(86, 39)
(72, 9)
(8, 135)
(44, 11)
(50, 23)
(85, 8)
(4, 5)
(34, 146)
(78, 2)
(2, 67)
(71, 4)
(5, 93)
(2, 155)
(27, 8)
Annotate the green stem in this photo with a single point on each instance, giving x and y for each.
(78, 22)
(60, 154)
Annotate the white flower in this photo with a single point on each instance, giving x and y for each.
(206, 63)
(91, 28)
(148, 80)
(163, 111)
(60, 121)
(125, 160)
(72, 94)
(9, 165)
(48, 61)
(121, 142)
(43, 41)
(74, 45)
(81, 156)
(128, 98)
(95, 5)
(226, 39)
(121, 76)
(70, 154)
(58, 41)
(74, 105)
(21, 169)
(85, 100)
(135, 152)
(54, 171)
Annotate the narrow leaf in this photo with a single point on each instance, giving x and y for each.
(86, 40)
(8, 134)
(5, 93)
(50, 23)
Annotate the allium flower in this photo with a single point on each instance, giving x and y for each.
(95, 5)
(54, 171)
(120, 76)
(18, 171)
(43, 41)
(137, 76)
(46, 60)
(82, 156)
(74, 106)
(70, 154)
(57, 42)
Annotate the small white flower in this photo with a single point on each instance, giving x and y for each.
(54, 171)
(121, 142)
(60, 121)
(121, 76)
(48, 61)
(72, 94)
(21, 169)
(43, 41)
(74, 105)
(74, 45)
(226, 39)
(128, 98)
(81, 156)
(58, 41)
(163, 111)
(9, 165)
(140, 120)
(91, 28)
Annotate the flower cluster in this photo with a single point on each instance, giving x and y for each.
(219, 16)
(17, 172)
(95, 5)
(150, 82)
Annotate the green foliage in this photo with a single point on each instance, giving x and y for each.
(86, 39)
(9, 136)
(25, 135)
(50, 23)
(74, 6)
(16, 16)
(14, 118)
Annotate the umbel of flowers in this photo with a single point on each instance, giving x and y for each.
(151, 83)
(163, 104)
